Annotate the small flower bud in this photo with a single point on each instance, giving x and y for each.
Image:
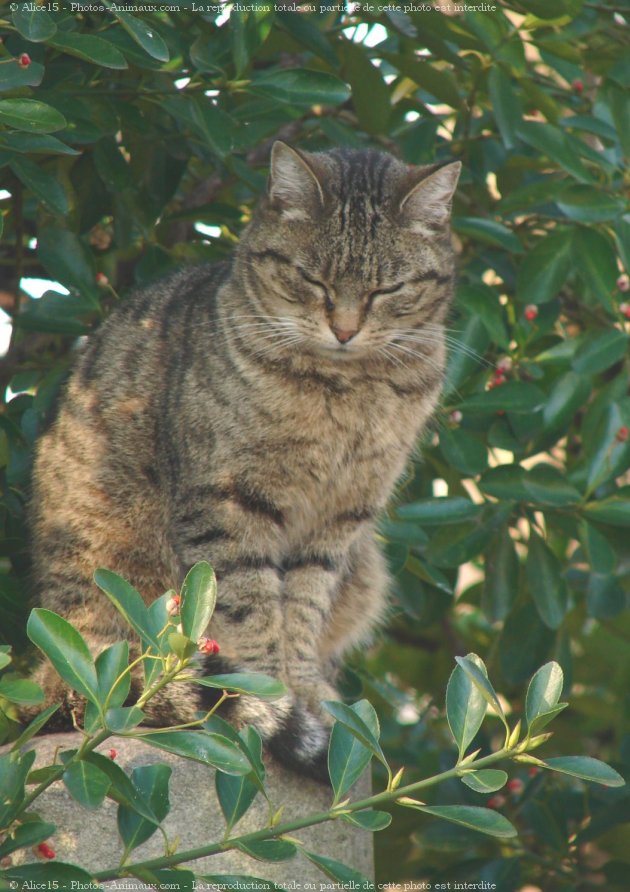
(455, 417)
(504, 365)
(112, 754)
(24, 60)
(623, 282)
(515, 786)
(172, 605)
(102, 280)
(208, 646)
(622, 434)
(577, 85)
(533, 770)
(497, 381)
(496, 801)
(43, 850)
(624, 309)
(531, 312)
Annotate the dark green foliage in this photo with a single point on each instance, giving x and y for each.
(112, 152)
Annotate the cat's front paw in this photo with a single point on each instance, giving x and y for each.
(302, 744)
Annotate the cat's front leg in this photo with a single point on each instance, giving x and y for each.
(250, 622)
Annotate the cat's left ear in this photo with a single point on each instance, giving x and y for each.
(429, 201)
(294, 186)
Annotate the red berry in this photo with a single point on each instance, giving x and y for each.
(515, 785)
(533, 771)
(531, 312)
(496, 801)
(622, 434)
(24, 60)
(208, 646)
(45, 851)
(497, 381)
(577, 85)
(101, 279)
(113, 753)
(624, 309)
(623, 282)
(455, 417)
(172, 605)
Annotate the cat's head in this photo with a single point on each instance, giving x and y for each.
(349, 250)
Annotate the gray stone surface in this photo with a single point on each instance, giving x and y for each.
(90, 838)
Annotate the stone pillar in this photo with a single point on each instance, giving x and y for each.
(90, 838)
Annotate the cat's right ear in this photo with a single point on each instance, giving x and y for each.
(294, 187)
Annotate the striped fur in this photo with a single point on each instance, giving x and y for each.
(217, 416)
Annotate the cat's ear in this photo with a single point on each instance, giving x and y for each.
(429, 200)
(294, 183)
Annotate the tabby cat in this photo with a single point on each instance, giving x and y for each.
(256, 414)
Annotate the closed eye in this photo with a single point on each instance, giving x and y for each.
(390, 289)
(317, 284)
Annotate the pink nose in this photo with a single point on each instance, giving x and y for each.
(343, 335)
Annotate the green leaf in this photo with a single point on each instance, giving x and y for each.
(504, 482)
(21, 690)
(506, 105)
(500, 585)
(601, 350)
(514, 396)
(128, 602)
(368, 820)
(254, 683)
(476, 671)
(489, 232)
(269, 849)
(544, 269)
(439, 82)
(86, 783)
(466, 706)
(548, 486)
(235, 795)
(34, 23)
(122, 790)
(569, 394)
(596, 261)
(141, 32)
(65, 648)
(370, 93)
(110, 664)
(25, 835)
(35, 143)
(541, 721)
(67, 260)
(12, 75)
(352, 721)
(589, 204)
(306, 32)
(544, 691)
(486, 780)
(34, 727)
(201, 746)
(45, 186)
(463, 452)
(347, 756)
(444, 509)
(586, 768)
(89, 48)
(300, 86)
(152, 782)
(5, 659)
(50, 875)
(614, 511)
(485, 820)
(123, 718)
(338, 872)
(546, 582)
(199, 595)
(557, 146)
(31, 115)
(482, 301)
